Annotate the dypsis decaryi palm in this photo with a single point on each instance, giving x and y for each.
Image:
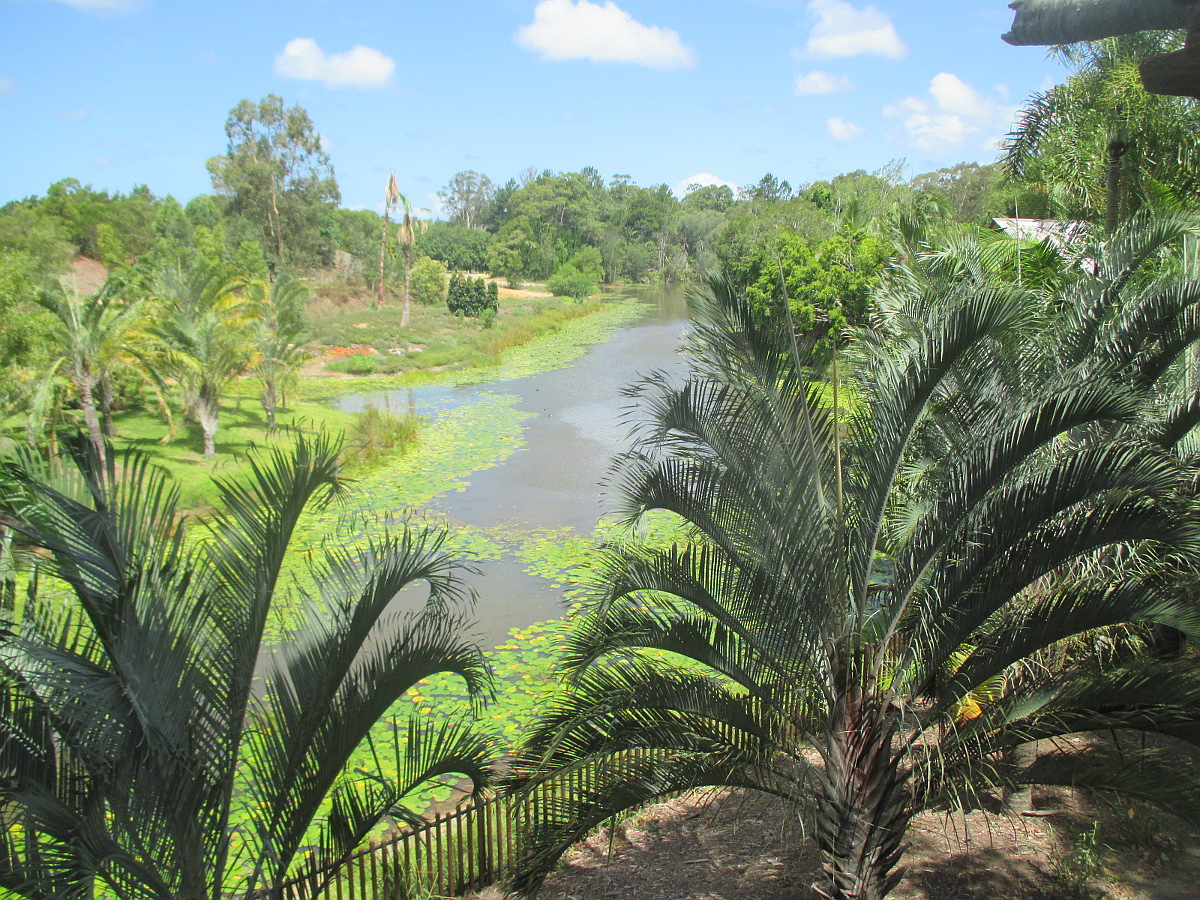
(867, 646)
(147, 705)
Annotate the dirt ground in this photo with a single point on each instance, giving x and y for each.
(732, 846)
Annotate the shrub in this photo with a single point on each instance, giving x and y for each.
(428, 284)
(471, 296)
(568, 281)
(356, 365)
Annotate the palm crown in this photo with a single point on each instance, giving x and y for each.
(866, 645)
(147, 708)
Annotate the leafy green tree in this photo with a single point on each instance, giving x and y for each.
(206, 756)
(206, 332)
(25, 227)
(769, 189)
(248, 261)
(25, 329)
(205, 210)
(562, 207)
(828, 286)
(590, 263)
(710, 197)
(866, 652)
(173, 235)
(277, 176)
(471, 296)
(358, 235)
(516, 253)
(108, 246)
(972, 191)
(462, 249)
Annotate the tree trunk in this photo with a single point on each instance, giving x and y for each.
(1020, 801)
(407, 283)
(208, 415)
(90, 417)
(106, 398)
(382, 256)
(1112, 192)
(862, 807)
(277, 229)
(269, 401)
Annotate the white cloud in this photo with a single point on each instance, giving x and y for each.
(361, 67)
(845, 30)
(703, 179)
(954, 116)
(841, 130)
(104, 7)
(7, 87)
(822, 83)
(103, 162)
(563, 30)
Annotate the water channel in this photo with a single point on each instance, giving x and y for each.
(576, 421)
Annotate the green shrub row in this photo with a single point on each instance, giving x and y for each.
(472, 296)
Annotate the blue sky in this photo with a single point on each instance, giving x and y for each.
(121, 92)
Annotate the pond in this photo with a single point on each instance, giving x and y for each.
(575, 419)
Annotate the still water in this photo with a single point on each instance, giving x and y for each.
(578, 421)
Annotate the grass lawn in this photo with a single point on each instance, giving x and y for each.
(435, 341)
(243, 427)
(435, 345)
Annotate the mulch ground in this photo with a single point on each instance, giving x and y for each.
(734, 846)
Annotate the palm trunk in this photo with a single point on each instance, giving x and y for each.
(1112, 212)
(91, 418)
(208, 414)
(106, 398)
(862, 809)
(407, 283)
(269, 401)
(382, 257)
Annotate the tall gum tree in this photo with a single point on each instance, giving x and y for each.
(277, 175)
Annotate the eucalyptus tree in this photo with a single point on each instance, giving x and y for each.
(826, 633)
(164, 737)
(467, 197)
(205, 332)
(277, 176)
(90, 335)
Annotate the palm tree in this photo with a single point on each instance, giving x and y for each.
(867, 646)
(1099, 143)
(205, 334)
(406, 234)
(167, 749)
(90, 336)
(281, 348)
